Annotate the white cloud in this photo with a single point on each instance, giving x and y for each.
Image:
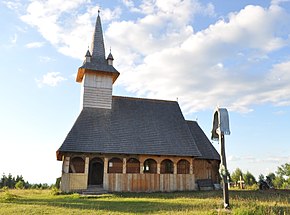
(159, 55)
(34, 45)
(202, 69)
(51, 79)
(130, 4)
(13, 5)
(59, 22)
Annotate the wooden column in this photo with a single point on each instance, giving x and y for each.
(65, 166)
(141, 168)
(87, 162)
(174, 168)
(158, 167)
(105, 178)
(124, 165)
(191, 166)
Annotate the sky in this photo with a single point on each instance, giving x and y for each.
(204, 54)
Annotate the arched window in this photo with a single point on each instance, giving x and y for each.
(166, 167)
(183, 167)
(115, 165)
(133, 166)
(77, 165)
(150, 166)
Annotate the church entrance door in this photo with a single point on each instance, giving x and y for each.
(96, 171)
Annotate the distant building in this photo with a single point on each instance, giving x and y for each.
(130, 144)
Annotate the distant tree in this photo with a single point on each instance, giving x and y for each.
(3, 181)
(272, 176)
(34, 186)
(19, 185)
(45, 186)
(236, 175)
(282, 179)
(278, 182)
(249, 179)
(284, 170)
(261, 177)
(10, 181)
(19, 178)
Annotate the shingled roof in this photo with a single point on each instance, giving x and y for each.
(137, 126)
(203, 144)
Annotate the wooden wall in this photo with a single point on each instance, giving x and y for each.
(97, 91)
(206, 169)
(118, 182)
(73, 181)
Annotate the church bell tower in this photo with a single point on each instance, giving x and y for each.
(97, 74)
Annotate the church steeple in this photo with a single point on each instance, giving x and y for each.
(97, 73)
(98, 47)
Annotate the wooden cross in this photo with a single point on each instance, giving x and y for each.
(241, 183)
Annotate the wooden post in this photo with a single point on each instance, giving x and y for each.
(220, 127)
(158, 167)
(87, 162)
(224, 175)
(124, 165)
(141, 167)
(65, 167)
(105, 178)
(191, 168)
(174, 168)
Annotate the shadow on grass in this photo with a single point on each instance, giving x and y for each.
(234, 194)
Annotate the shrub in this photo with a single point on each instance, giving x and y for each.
(54, 191)
(19, 185)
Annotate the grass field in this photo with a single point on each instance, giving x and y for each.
(206, 202)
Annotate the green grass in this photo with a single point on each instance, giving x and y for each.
(242, 202)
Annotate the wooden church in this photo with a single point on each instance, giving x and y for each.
(122, 144)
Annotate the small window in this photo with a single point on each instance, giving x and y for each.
(166, 167)
(115, 165)
(77, 165)
(150, 166)
(183, 167)
(133, 166)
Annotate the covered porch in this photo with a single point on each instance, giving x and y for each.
(138, 173)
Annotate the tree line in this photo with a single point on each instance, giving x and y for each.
(19, 183)
(280, 179)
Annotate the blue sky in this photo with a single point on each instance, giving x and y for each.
(234, 54)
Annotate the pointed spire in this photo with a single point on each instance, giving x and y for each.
(110, 58)
(88, 56)
(95, 58)
(98, 47)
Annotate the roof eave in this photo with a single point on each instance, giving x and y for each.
(59, 155)
(82, 71)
